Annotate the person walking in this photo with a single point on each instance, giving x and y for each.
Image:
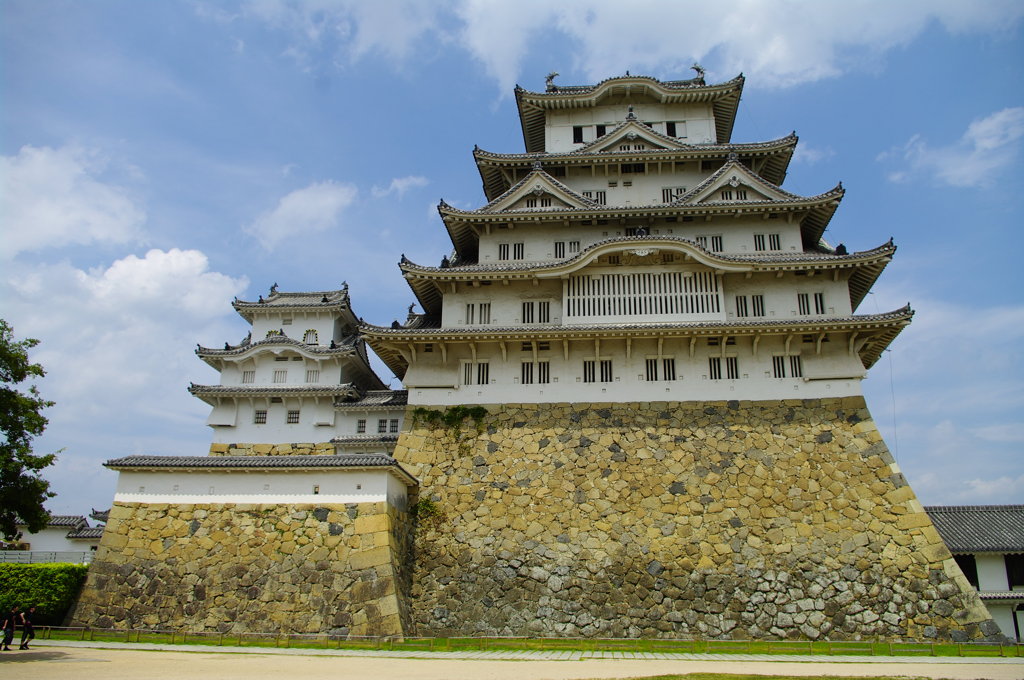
(28, 631)
(9, 622)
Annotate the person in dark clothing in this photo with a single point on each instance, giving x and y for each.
(9, 622)
(28, 632)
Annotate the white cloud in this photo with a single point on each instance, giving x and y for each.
(314, 209)
(58, 197)
(778, 43)
(989, 145)
(344, 32)
(400, 185)
(809, 155)
(116, 343)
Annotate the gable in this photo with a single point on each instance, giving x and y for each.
(631, 136)
(538, 191)
(733, 182)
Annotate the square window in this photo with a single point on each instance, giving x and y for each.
(248, 377)
(293, 417)
(280, 376)
(313, 375)
(260, 417)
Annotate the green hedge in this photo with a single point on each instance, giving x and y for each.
(51, 587)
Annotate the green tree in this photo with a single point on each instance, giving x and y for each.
(22, 490)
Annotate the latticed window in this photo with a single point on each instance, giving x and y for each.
(668, 366)
(543, 372)
(259, 417)
(393, 425)
(311, 337)
(796, 366)
(779, 366)
(293, 417)
(741, 306)
(643, 294)
(518, 251)
(803, 303)
(478, 373)
(361, 426)
(715, 368)
(382, 426)
(248, 377)
(774, 242)
(485, 312)
(502, 251)
(280, 376)
(652, 369)
(559, 248)
(757, 302)
(732, 368)
(313, 375)
(819, 303)
(526, 373)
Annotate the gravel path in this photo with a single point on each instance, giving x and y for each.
(115, 661)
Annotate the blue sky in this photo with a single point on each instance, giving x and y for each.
(160, 158)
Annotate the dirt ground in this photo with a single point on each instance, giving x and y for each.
(73, 663)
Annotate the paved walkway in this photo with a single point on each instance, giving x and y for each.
(130, 661)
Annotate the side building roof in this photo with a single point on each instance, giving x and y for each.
(979, 528)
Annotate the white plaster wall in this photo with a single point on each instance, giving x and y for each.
(53, 539)
(277, 430)
(319, 421)
(737, 236)
(694, 122)
(322, 322)
(265, 363)
(833, 373)
(258, 486)
(991, 571)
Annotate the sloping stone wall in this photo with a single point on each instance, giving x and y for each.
(726, 519)
(298, 568)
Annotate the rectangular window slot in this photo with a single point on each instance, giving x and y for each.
(361, 426)
(248, 377)
(260, 417)
(313, 375)
(393, 426)
(382, 426)
(293, 417)
(280, 376)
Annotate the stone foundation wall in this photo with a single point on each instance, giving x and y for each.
(294, 449)
(723, 519)
(298, 568)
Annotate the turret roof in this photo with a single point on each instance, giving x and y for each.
(724, 98)
(312, 300)
(246, 348)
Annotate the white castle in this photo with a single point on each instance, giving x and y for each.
(662, 358)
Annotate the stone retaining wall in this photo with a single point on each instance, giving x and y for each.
(294, 449)
(298, 568)
(723, 519)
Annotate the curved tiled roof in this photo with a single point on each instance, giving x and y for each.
(884, 328)
(346, 346)
(388, 440)
(72, 521)
(87, 533)
(311, 300)
(979, 528)
(343, 390)
(377, 399)
(490, 164)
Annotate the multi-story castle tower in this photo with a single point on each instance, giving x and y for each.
(634, 254)
(634, 409)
